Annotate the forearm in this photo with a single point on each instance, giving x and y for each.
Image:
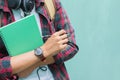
(12, 65)
(21, 62)
(49, 60)
(54, 44)
(58, 59)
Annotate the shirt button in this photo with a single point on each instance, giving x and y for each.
(42, 4)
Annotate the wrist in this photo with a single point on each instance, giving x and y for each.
(45, 54)
(40, 54)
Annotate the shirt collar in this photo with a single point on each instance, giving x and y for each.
(4, 6)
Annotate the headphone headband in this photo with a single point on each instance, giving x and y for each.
(25, 5)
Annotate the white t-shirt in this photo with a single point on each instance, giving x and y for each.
(44, 75)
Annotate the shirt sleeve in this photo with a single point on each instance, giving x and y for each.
(5, 67)
(62, 22)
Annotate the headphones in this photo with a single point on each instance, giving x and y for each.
(25, 5)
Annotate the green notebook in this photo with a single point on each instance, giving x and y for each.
(21, 36)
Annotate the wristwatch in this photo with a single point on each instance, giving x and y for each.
(39, 53)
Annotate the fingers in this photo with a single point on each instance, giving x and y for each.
(61, 32)
(57, 42)
(63, 46)
(63, 41)
(60, 35)
(64, 36)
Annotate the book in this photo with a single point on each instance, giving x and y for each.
(21, 36)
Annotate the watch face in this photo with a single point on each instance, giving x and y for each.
(38, 51)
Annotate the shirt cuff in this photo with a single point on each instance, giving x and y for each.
(5, 67)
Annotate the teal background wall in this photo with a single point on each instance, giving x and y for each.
(97, 29)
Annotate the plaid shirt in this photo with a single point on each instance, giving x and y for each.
(48, 27)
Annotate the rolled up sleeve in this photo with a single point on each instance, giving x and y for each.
(5, 67)
(62, 22)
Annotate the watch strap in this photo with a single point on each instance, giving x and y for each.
(40, 56)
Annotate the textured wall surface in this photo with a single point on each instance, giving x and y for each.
(97, 28)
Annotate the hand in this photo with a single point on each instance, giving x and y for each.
(56, 43)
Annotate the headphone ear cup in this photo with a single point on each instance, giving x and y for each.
(14, 4)
(27, 5)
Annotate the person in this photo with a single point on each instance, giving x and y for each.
(57, 48)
